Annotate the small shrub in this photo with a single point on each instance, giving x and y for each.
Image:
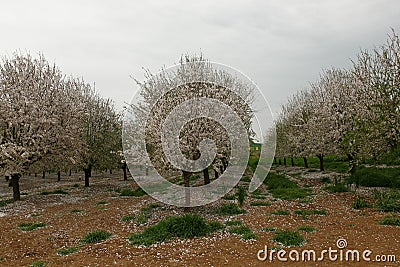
(230, 209)
(269, 229)
(128, 218)
(390, 221)
(38, 264)
(360, 203)
(337, 188)
(307, 229)
(54, 192)
(30, 226)
(185, 226)
(138, 192)
(288, 238)
(229, 197)
(233, 223)
(326, 180)
(241, 194)
(260, 203)
(387, 201)
(280, 212)
(96, 237)
(67, 251)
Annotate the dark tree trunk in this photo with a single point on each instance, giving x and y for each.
(284, 162)
(49, 172)
(321, 162)
(147, 171)
(70, 172)
(292, 161)
(216, 174)
(124, 167)
(305, 162)
(35, 174)
(280, 162)
(206, 176)
(274, 160)
(44, 174)
(186, 179)
(58, 176)
(110, 171)
(88, 174)
(7, 178)
(15, 186)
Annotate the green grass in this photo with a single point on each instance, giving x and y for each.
(103, 203)
(233, 223)
(387, 201)
(185, 226)
(138, 192)
(390, 220)
(128, 218)
(281, 187)
(34, 215)
(30, 226)
(54, 192)
(241, 195)
(360, 203)
(244, 231)
(67, 251)
(280, 212)
(75, 185)
(270, 229)
(96, 237)
(305, 212)
(376, 177)
(337, 188)
(5, 202)
(289, 238)
(307, 229)
(331, 163)
(229, 210)
(260, 203)
(245, 179)
(229, 197)
(76, 211)
(39, 264)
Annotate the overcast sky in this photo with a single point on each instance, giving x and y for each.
(281, 45)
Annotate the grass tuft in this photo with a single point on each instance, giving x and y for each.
(138, 192)
(96, 237)
(229, 210)
(54, 192)
(30, 226)
(289, 238)
(67, 251)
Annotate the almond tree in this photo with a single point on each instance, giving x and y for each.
(194, 79)
(37, 115)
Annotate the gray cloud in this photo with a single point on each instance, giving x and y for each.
(281, 45)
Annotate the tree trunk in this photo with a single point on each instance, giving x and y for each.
(58, 176)
(216, 174)
(186, 179)
(70, 172)
(110, 171)
(274, 160)
(88, 174)
(321, 162)
(280, 162)
(44, 174)
(292, 161)
(7, 178)
(206, 176)
(147, 171)
(284, 162)
(305, 162)
(353, 166)
(35, 174)
(124, 167)
(15, 186)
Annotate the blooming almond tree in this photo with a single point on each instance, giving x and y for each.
(37, 116)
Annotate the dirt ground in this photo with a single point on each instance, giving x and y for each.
(360, 228)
